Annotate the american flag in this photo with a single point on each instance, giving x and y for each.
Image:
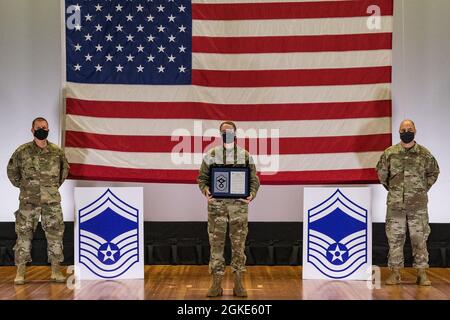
(150, 79)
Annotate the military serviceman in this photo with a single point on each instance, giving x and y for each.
(38, 169)
(407, 170)
(220, 211)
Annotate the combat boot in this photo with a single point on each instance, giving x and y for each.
(57, 276)
(20, 275)
(216, 286)
(422, 278)
(394, 277)
(238, 289)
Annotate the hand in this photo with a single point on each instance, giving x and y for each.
(208, 195)
(248, 199)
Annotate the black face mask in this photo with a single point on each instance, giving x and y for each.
(407, 136)
(41, 134)
(228, 136)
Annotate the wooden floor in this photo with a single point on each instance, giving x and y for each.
(192, 282)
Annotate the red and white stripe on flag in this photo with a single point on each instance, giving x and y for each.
(314, 70)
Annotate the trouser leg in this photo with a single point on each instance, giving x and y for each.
(27, 218)
(217, 229)
(238, 213)
(419, 230)
(53, 226)
(396, 233)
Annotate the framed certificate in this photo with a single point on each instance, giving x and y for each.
(229, 182)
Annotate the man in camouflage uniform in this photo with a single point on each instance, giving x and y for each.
(407, 170)
(38, 168)
(222, 211)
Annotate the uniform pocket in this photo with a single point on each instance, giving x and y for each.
(395, 178)
(51, 167)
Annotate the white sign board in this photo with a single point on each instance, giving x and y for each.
(337, 234)
(109, 233)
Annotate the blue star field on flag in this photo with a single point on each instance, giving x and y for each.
(129, 42)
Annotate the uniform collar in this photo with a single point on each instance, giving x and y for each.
(412, 149)
(37, 148)
(228, 150)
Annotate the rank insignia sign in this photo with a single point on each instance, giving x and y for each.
(221, 183)
(337, 234)
(109, 233)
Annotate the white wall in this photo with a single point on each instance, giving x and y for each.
(30, 77)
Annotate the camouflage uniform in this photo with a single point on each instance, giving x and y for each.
(220, 211)
(407, 174)
(38, 173)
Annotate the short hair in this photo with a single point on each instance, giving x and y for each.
(38, 119)
(231, 123)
